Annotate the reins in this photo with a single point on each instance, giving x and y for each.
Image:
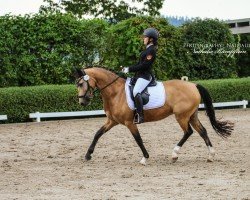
(110, 83)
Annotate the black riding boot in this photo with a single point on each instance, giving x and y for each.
(139, 109)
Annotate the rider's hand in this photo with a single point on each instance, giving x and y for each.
(125, 70)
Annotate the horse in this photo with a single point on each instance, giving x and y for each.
(182, 100)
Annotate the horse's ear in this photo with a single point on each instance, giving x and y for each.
(78, 73)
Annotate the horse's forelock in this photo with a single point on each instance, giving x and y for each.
(79, 73)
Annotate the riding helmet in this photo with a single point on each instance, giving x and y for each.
(151, 33)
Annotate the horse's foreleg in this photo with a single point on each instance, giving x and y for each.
(135, 132)
(106, 127)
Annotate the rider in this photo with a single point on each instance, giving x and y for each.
(143, 70)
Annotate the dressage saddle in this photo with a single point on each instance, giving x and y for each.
(145, 95)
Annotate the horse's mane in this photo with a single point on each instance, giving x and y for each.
(120, 74)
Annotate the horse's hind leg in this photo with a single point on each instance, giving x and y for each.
(184, 123)
(195, 122)
(106, 127)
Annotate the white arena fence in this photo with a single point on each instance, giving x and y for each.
(3, 117)
(243, 103)
(39, 115)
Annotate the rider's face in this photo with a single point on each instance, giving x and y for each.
(145, 40)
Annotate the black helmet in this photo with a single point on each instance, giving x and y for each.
(151, 33)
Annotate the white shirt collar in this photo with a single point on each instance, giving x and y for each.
(148, 45)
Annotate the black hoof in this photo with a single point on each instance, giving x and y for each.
(88, 157)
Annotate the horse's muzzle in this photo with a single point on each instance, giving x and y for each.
(85, 103)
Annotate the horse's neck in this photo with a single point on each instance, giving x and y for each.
(103, 79)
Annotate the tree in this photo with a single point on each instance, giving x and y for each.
(125, 44)
(113, 10)
(243, 58)
(43, 49)
(210, 43)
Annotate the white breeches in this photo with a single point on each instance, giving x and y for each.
(140, 85)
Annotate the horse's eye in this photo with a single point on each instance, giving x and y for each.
(79, 84)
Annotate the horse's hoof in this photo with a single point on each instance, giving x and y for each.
(88, 157)
(175, 154)
(211, 155)
(210, 158)
(174, 159)
(143, 161)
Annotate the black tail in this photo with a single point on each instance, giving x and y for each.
(222, 128)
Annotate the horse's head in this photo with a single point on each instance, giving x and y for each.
(85, 87)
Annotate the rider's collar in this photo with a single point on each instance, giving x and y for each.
(149, 45)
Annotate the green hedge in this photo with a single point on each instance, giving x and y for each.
(18, 102)
(223, 90)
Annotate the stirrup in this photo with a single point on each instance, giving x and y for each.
(138, 119)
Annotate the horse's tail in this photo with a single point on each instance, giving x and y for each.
(222, 128)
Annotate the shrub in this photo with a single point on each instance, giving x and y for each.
(18, 102)
(223, 90)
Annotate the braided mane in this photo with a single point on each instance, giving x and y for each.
(120, 74)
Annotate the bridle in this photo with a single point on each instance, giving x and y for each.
(90, 89)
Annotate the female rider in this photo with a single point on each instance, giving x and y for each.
(143, 70)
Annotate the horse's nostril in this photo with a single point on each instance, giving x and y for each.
(82, 104)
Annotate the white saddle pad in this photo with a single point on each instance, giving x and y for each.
(157, 96)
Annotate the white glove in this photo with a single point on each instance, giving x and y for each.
(125, 70)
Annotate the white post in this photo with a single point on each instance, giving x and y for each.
(245, 104)
(184, 78)
(38, 118)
